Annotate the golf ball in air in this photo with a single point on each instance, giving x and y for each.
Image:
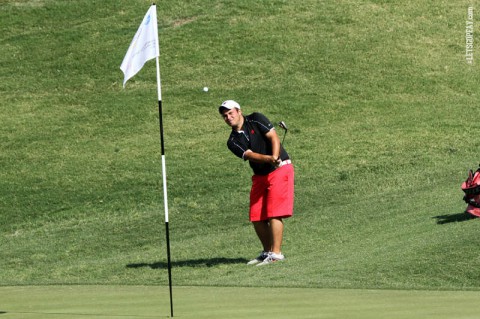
(205, 89)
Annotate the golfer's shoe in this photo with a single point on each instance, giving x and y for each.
(259, 259)
(271, 258)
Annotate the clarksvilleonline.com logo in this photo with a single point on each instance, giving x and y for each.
(469, 36)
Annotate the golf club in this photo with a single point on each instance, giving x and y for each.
(284, 126)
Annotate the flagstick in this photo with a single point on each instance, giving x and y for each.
(164, 169)
(164, 173)
(165, 201)
(141, 50)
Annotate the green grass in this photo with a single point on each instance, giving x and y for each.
(232, 302)
(378, 96)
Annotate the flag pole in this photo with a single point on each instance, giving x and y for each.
(165, 200)
(164, 173)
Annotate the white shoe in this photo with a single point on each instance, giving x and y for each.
(263, 255)
(272, 257)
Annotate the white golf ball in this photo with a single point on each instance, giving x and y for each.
(205, 89)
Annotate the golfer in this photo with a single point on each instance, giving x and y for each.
(254, 139)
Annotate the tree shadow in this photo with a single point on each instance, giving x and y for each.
(191, 263)
(454, 218)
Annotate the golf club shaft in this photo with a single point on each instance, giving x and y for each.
(285, 128)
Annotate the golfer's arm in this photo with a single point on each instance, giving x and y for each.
(273, 137)
(261, 158)
(250, 155)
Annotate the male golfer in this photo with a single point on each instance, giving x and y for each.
(254, 139)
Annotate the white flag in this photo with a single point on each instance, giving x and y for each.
(144, 46)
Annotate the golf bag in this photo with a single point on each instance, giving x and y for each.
(471, 188)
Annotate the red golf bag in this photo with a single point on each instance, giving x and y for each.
(471, 188)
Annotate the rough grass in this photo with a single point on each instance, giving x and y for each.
(378, 96)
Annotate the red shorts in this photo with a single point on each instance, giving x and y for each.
(272, 195)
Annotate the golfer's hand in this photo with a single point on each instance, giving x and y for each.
(275, 161)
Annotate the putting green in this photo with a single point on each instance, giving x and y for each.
(225, 302)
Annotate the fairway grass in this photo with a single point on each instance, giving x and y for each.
(42, 302)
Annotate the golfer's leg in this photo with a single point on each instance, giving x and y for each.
(276, 225)
(263, 232)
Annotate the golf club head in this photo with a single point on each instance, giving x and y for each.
(283, 125)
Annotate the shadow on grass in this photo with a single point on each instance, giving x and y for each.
(453, 218)
(192, 263)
